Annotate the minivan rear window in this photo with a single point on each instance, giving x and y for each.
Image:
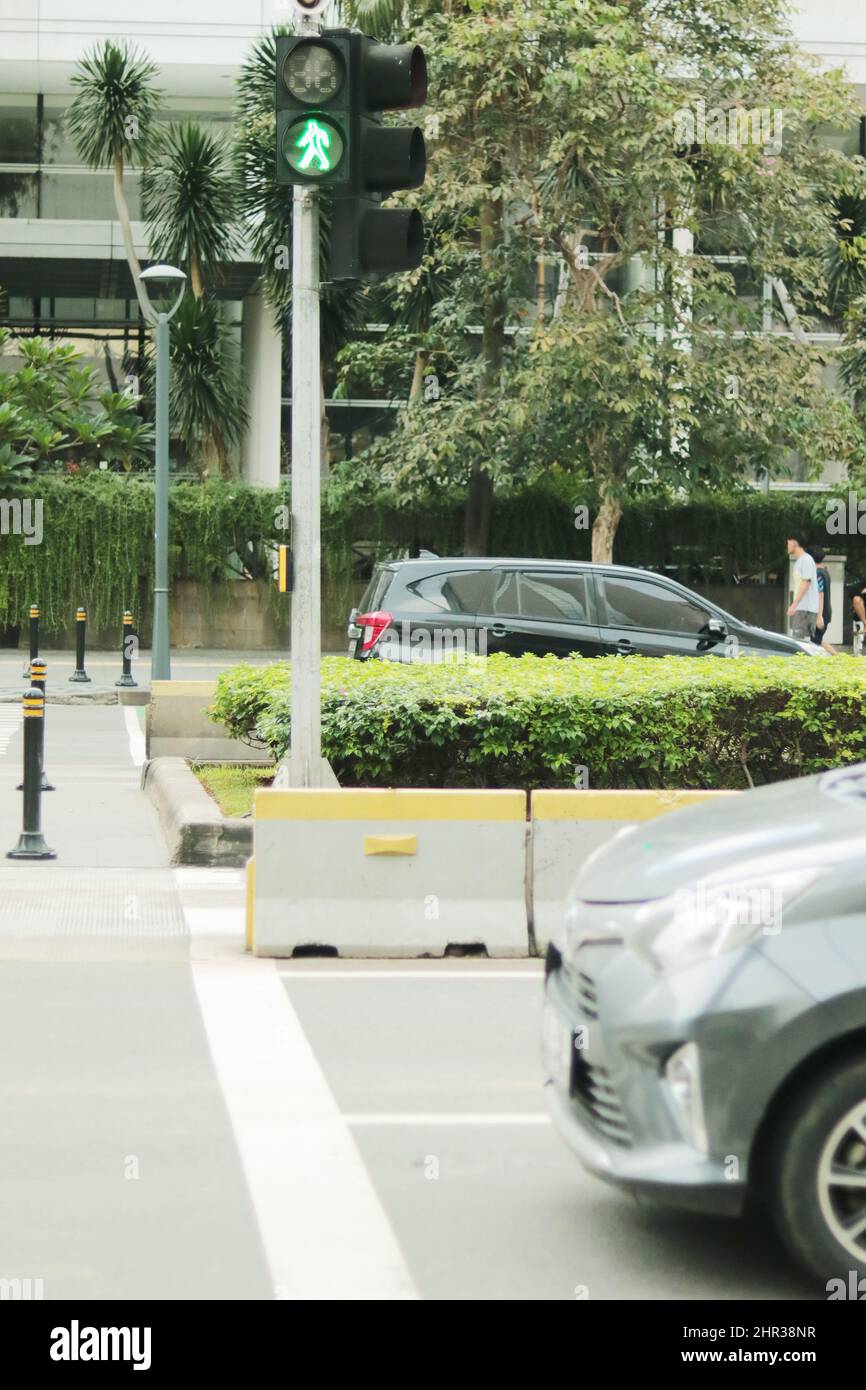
(376, 589)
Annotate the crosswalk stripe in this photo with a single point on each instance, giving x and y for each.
(323, 1227)
(10, 718)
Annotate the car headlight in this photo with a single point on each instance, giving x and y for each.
(710, 917)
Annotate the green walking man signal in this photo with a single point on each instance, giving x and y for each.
(315, 146)
(316, 141)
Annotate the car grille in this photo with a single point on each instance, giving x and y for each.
(586, 994)
(591, 1087)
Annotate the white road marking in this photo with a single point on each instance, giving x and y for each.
(428, 974)
(10, 718)
(135, 734)
(209, 878)
(467, 1120)
(323, 1228)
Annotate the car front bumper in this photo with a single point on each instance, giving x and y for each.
(636, 1147)
(611, 1027)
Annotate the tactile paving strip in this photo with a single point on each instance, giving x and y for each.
(50, 913)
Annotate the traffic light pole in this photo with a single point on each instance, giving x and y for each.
(332, 87)
(305, 765)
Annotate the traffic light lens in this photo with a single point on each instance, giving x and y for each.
(314, 145)
(313, 72)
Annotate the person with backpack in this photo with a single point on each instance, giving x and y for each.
(825, 607)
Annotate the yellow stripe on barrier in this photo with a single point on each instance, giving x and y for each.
(615, 805)
(390, 844)
(374, 804)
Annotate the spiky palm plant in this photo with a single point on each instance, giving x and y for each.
(190, 203)
(207, 407)
(846, 261)
(377, 17)
(112, 123)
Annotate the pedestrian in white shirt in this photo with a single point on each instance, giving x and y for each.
(803, 610)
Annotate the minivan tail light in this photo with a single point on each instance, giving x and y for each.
(374, 624)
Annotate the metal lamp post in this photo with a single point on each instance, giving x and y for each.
(160, 656)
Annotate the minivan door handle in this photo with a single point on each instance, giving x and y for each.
(499, 630)
(624, 646)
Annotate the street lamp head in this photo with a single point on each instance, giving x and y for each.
(167, 275)
(162, 279)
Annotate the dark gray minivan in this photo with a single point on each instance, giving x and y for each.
(416, 609)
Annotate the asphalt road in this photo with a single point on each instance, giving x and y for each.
(436, 1069)
(182, 1121)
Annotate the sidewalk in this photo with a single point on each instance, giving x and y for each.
(104, 669)
(120, 1173)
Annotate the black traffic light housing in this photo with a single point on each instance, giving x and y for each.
(368, 240)
(332, 91)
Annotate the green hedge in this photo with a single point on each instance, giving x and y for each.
(97, 547)
(528, 722)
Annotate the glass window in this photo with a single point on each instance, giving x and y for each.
(641, 603)
(376, 590)
(18, 134)
(18, 195)
(57, 144)
(463, 591)
(554, 597)
(506, 603)
(87, 196)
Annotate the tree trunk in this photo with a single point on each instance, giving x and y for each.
(479, 505)
(129, 245)
(604, 529)
(212, 463)
(416, 394)
(196, 282)
(479, 510)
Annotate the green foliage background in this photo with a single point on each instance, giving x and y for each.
(528, 722)
(98, 547)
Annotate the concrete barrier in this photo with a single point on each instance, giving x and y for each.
(568, 826)
(178, 726)
(390, 873)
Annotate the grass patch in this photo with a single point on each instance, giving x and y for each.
(232, 787)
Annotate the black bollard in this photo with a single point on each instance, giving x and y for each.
(31, 844)
(128, 643)
(79, 674)
(34, 638)
(39, 670)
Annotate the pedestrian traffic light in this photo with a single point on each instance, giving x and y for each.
(314, 110)
(366, 239)
(333, 89)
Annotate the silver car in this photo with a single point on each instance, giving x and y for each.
(705, 1012)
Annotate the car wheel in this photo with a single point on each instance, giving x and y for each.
(818, 1173)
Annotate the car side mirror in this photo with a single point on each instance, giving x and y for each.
(716, 628)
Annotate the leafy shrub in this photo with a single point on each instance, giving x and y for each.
(54, 416)
(528, 722)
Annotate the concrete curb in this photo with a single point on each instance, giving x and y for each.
(193, 825)
(98, 697)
